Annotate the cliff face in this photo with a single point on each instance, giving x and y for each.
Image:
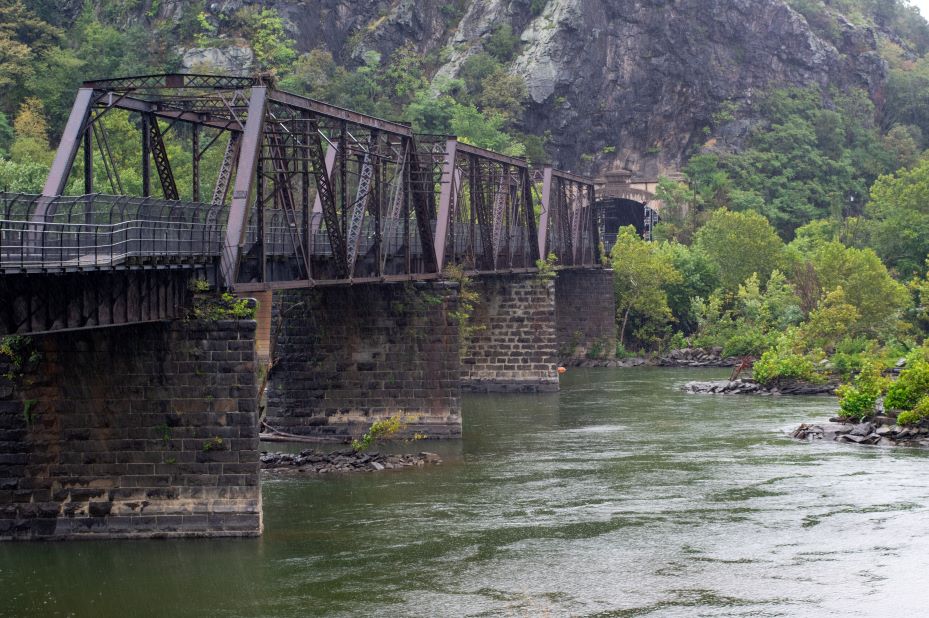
(617, 83)
(646, 77)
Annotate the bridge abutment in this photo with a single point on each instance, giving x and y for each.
(585, 314)
(511, 343)
(141, 431)
(347, 356)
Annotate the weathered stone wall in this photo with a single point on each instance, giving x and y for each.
(512, 343)
(585, 313)
(136, 431)
(345, 357)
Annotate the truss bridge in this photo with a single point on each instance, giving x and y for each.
(280, 191)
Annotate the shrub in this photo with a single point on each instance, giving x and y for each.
(910, 387)
(224, 306)
(622, 352)
(784, 361)
(919, 412)
(748, 343)
(850, 355)
(380, 430)
(857, 400)
(855, 403)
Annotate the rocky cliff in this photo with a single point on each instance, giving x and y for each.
(618, 83)
(637, 83)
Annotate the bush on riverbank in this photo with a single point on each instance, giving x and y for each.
(786, 360)
(857, 400)
(912, 386)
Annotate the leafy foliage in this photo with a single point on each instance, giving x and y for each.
(379, 431)
(911, 386)
(865, 281)
(785, 360)
(899, 218)
(640, 272)
(919, 413)
(224, 306)
(740, 244)
(699, 278)
(857, 400)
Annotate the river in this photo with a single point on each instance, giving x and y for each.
(619, 496)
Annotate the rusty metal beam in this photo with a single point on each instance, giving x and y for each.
(67, 149)
(530, 217)
(174, 80)
(162, 164)
(326, 197)
(492, 156)
(595, 229)
(581, 180)
(544, 216)
(422, 193)
(325, 109)
(446, 197)
(133, 104)
(242, 189)
(330, 167)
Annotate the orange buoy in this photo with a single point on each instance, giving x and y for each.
(561, 370)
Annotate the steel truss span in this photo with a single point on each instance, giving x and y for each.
(300, 193)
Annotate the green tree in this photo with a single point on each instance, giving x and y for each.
(641, 271)
(475, 69)
(317, 75)
(866, 283)
(699, 277)
(274, 50)
(677, 201)
(899, 218)
(813, 158)
(773, 309)
(502, 44)
(30, 144)
(24, 39)
(831, 322)
(503, 95)
(740, 244)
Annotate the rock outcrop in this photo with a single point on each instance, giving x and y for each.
(637, 84)
(880, 431)
(316, 462)
(750, 387)
(696, 357)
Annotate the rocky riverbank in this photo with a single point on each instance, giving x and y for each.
(696, 357)
(606, 362)
(311, 461)
(745, 386)
(880, 431)
(685, 357)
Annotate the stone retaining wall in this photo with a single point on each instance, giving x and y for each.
(135, 431)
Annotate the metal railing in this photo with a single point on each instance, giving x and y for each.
(27, 245)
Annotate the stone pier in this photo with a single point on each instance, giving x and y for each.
(585, 314)
(130, 432)
(511, 346)
(345, 357)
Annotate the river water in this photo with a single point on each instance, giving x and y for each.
(619, 496)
